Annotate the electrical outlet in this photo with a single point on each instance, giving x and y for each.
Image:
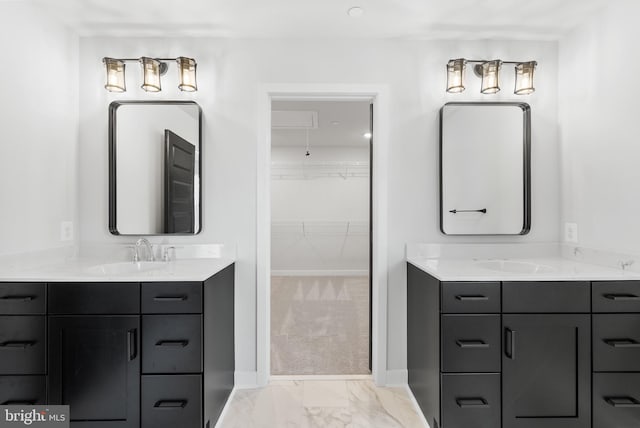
(571, 232)
(66, 231)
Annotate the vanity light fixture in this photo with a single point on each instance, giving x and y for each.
(152, 70)
(489, 72)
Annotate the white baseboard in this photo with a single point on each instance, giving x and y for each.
(246, 380)
(318, 377)
(417, 407)
(397, 377)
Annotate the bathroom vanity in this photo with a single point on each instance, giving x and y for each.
(157, 352)
(510, 351)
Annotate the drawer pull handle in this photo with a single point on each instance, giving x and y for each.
(622, 343)
(132, 336)
(621, 297)
(472, 344)
(622, 401)
(19, 402)
(472, 402)
(510, 343)
(471, 298)
(179, 298)
(174, 343)
(170, 404)
(17, 344)
(23, 298)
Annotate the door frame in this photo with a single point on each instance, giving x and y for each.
(377, 94)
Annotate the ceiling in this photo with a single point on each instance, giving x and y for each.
(340, 123)
(414, 19)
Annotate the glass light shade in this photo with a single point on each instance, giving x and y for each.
(524, 78)
(187, 74)
(491, 76)
(455, 75)
(115, 75)
(150, 74)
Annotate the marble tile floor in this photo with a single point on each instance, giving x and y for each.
(321, 404)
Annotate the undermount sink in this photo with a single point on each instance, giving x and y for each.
(124, 268)
(513, 266)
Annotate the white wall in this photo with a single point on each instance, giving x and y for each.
(39, 116)
(230, 75)
(599, 92)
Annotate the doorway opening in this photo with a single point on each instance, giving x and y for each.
(321, 237)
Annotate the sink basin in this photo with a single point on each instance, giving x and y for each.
(513, 266)
(124, 268)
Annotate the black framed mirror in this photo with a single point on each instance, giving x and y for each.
(155, 166)
(485, 168)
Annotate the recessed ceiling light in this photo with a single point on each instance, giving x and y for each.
(356, 12)
(367, 135)
(335, 122)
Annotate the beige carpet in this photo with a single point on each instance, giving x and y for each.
(319, 325)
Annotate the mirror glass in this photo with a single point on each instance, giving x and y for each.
(485, 169)
(154, 167)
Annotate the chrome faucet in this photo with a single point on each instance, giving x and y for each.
(149, 249)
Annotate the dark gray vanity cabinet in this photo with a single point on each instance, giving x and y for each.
(616, 354)
(492, 354)
(23, 343)
(94, 357)
(129, 355)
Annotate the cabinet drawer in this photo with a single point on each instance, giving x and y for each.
(616, 343)
(616, 296)
(471, 297)
(23, 298)
(471, 401)
(546, 297)
(171, 344)
(172, 298)
(23, 390)
(470, 343)
(616, 400)
(79, 298)
(171, 401)
(22, 345)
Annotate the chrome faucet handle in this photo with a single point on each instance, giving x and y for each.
(165, 254)
(136, 257)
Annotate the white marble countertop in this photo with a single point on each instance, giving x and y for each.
(198, 269)
(517, 269)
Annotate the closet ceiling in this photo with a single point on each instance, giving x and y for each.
(340, 124)
(412, 19)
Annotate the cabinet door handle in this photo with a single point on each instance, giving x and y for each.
(472, 402)
(621, 296)
(171, 404)
(21, 297)
(471, 298)
(132, 341)
(472, 344)
(174, 343)
(15, 344)
(510, 343)
(19, 403)
(622, 401)
(622, 343)
(178, 298)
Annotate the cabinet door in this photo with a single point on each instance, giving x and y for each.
(546, 373)
(94, 368)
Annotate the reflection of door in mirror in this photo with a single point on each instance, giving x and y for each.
(178, 171)
(154, 173)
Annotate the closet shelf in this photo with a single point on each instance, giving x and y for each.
(311, 170)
